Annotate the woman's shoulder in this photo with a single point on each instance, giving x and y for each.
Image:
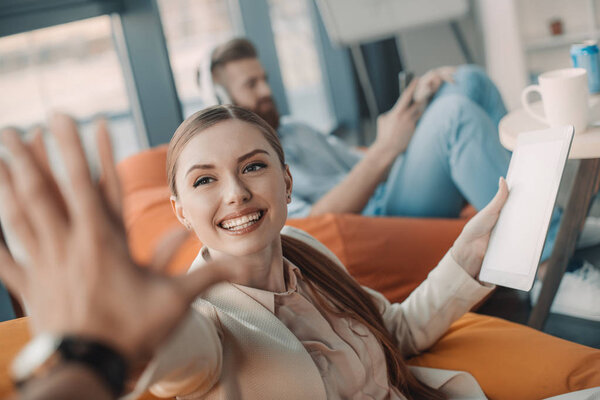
(304, 237)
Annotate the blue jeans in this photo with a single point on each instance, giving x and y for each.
(455, 156)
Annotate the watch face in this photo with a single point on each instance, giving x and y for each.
(34, 355)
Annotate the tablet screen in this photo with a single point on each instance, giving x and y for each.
(533, 180)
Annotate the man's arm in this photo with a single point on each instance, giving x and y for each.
(353, 192)
(394, 131)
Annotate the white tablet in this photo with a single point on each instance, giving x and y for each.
(533, 179)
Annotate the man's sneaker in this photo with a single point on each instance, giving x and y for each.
(578, 294)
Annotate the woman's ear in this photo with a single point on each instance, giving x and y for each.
(178, 210)
(289, 183)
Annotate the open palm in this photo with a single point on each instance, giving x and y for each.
(78, 277)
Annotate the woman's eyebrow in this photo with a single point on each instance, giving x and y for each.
(240, 159)
(250, 154)
(199, 166)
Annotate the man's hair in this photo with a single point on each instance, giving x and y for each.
(232, 50)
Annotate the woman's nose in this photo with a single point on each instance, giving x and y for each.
(237, 192)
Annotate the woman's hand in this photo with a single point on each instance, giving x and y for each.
(78, 277)
(470, 247)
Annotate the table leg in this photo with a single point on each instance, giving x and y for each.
(584, 188)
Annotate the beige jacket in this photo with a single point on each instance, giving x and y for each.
(232, 347)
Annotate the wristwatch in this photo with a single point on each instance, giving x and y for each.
(46, 351)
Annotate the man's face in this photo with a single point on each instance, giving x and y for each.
(246, 82)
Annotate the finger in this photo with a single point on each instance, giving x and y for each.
(11, 212)
(435, 83)
(40, 155)
(407, 95)
(83, 197)
(495, 206)
(11, 274)
(415, 111)
(109, 183)
(38, 148)
(167, 248)
(196, 282)
(447, 73)
(42, 208)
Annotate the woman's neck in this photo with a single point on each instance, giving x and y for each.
(266, 268)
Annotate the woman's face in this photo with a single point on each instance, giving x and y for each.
(232, 189)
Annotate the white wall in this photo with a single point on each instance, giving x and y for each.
(504, 55)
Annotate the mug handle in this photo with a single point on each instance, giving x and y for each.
(527, 105)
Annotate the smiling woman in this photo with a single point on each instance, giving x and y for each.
(228, 180)
(296, 324)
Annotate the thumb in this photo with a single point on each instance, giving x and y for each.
(193, 284)
(406, 96)
(167, 249)
(495, 206)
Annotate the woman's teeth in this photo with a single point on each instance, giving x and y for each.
(235, 224)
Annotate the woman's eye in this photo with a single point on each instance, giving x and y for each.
(254, 167)
(203, 181)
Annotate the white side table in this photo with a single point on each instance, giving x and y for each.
(586, 146)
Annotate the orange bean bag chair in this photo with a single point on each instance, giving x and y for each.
(391, 255)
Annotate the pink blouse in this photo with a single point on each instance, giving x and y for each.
(349, 358)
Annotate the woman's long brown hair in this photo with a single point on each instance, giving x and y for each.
(331, 285)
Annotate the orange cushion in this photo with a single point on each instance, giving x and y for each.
(144, 169)
(512, 361)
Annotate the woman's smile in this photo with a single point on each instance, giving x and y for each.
(242, 222)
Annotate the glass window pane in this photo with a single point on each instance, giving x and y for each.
(71, 68)
(192, 29)
(298, 58)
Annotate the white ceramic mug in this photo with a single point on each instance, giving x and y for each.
(564, 97)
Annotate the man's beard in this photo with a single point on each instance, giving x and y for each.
(267, 110)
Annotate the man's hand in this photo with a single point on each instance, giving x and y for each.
(396, 127)
(430, 83)
(470, 247)
(79, 278)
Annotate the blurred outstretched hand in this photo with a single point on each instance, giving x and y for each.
(78, 277)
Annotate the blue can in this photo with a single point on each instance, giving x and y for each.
(585, 55)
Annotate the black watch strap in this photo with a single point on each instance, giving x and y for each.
(100, 358)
